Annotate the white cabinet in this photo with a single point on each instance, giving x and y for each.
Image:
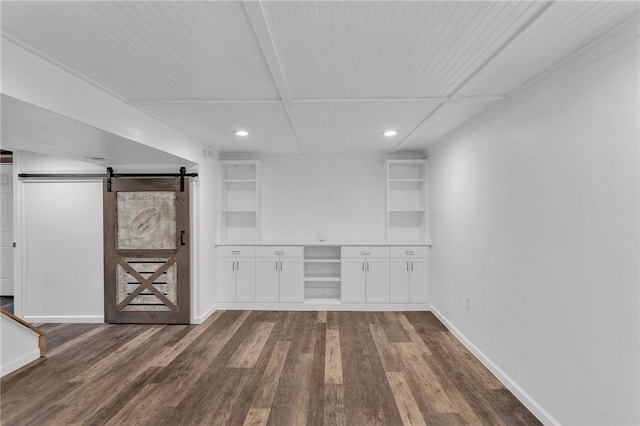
(365, 280)
(236, 280)
(267, 280)
(377, 280)
(410, 280)
(419, 280)
(291, 280)
(322, 274)
(279, 280)
(227, 280)
(353, 280)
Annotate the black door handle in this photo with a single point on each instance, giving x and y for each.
(182, 237)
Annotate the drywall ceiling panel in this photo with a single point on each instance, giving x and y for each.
(447, 118)
(561, 30)
(377, 49)
(148, 50)
(356, 126)
(213, 123)
(26, 127)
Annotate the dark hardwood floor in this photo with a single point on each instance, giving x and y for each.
(259, 367)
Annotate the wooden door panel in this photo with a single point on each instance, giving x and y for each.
(146, 234)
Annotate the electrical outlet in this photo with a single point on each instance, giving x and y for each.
(467, 303)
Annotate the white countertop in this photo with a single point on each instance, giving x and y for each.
(324, 243)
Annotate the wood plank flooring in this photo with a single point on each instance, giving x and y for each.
(260, 368)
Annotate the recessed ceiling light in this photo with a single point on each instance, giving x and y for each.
(241, 133)
(389, 133)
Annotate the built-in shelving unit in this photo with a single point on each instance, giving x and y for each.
(239, 201)
(322, 274)
(407, 201)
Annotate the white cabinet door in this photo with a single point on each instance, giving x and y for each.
(291, 280)
(353, 281)
(267, 280)
(226, 280)
(419, 281)
(399, 280)
(377, 280)
(246, 280)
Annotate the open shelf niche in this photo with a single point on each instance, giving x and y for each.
(239, 201)
(407, 201)
(322, 274)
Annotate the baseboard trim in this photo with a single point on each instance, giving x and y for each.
(369, 307)
(17, 364)
(202, 318)
(526, 399)
(42, 319)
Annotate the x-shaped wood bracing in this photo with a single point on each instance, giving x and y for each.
(146, 283)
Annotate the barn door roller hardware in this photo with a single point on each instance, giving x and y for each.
(110, 176)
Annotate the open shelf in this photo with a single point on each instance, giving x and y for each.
(406, 200)
(321, 291)
(239, 201)
(322, 274)
(323, 300)
(322, 261)
(321, 279)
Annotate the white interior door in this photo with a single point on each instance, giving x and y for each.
(267, 279)
(6, 230)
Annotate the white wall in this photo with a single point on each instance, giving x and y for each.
(205, 232)
(339, 196)
(535, 215)
(61, 243)
(18, 346)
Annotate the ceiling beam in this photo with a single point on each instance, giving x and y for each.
(454, 95)
(212, 101)
(264, 37)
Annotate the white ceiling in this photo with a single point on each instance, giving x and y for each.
(309, 76)
(26, 127)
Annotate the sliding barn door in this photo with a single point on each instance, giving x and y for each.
(146, 252)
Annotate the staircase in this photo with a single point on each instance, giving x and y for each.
(21, 343)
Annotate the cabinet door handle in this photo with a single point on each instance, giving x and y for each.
(233, 265)
(238, 265)
(407, 266)
(276, 265)
(279, 252)
(409, 252)
(367, 266)
(280, 266)
(363, 266)
(235, 251)
(365, 253)
(411, 266)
